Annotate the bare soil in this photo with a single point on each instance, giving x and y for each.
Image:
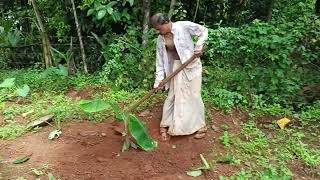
(88, 150)
(92, 151)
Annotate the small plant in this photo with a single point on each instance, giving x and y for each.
(11, 130)
(229, 159)
(133, 125)
(225, 139)
(310, 156)
(10, 82)
(310, 114)
(254, 140)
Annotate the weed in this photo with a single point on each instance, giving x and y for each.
(225, 139)
(229, 158)
(11, 130)
(223, 98)
(254, 139)
(310, 114)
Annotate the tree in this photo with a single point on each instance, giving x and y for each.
(269, 11)
(46, 45)
(83, 55)
(145, 26)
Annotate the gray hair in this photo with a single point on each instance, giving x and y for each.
(159, 19)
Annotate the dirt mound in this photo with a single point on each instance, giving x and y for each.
(88, 150)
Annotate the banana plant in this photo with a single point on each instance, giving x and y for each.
(134, 127)
(10, 82)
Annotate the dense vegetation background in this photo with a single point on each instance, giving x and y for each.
(261, 56)
(257, 50)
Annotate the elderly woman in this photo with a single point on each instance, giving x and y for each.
(183, 110)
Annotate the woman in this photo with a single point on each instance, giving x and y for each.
(183, 110)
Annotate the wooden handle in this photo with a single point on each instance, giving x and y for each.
(162, 83)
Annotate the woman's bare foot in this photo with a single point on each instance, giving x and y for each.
(201, 133)
(164, 134)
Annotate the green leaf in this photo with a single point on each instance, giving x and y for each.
(53, 134)
(59, 53)
(62, 70)
(90, 12)
(101, 14)
(2, 105)
(99, 7)
(116, 16)
(139, 133)
(109, 9)
(94, 105)
(131, 2)
(120, 114)
(23, 92)
(112, 3)
(21, 160)
(9, 82)
(194, 173)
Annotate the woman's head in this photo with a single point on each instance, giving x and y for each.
(161, 23)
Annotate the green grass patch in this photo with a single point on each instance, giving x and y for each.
(11, 130)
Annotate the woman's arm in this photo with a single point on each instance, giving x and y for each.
(159, 66)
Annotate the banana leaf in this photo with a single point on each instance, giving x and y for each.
(140, 134)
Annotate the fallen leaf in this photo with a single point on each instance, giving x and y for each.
(22, 159)
(55, 133)
(194, 173)
(27, 113)
(283, 122)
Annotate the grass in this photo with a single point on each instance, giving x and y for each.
(267, 148)
(265, 153)
(48, 96)
(11, 131)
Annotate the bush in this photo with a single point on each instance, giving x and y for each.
(269, 59)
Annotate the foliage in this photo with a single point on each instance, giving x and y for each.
(108, 10)
(311, 114)
(132, 124)
(11, 130)
(254, 140)
(269, 173)
(225, 139)
(127, 62)
(139, 133)
(223, 98)
(264, 59)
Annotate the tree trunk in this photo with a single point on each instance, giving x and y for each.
(83, 55)
(270, 8)
(172, 4)
(196, 11)
(71, 65)
(145, 26)
(46, 45)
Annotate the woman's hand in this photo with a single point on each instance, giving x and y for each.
(198, 53)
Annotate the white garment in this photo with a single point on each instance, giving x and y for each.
(182, 37)
(183, 110)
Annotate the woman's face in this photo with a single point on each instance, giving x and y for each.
(163, 29)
